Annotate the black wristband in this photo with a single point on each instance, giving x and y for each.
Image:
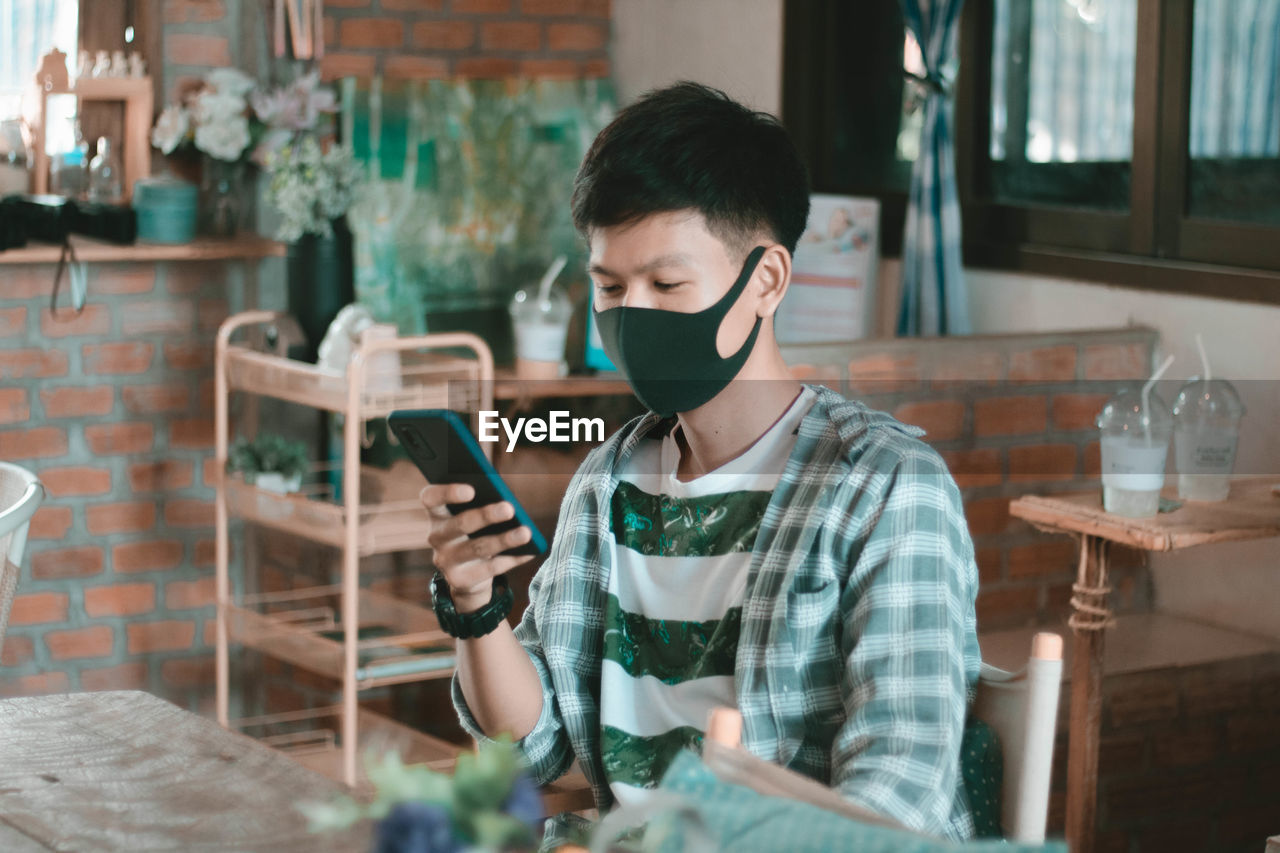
(467, 626)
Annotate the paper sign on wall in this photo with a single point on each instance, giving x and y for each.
(833, 273)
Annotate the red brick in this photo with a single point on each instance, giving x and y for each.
(1024, 415)
(970, 468)
(563, 8)
(351, 4)
(882, 373)
(166, 316)
(444, 35)
(38, 608)
(1186, 748)
(15, 405)
(1045, 364)
(50, 522)
(415, 68)
(117, 358)
(480, 7)
(210, 313)
(1093, 459)
(1006, 607)
(1077, 411)
(93, 320)
(205, 553)
(32, 363)
(1116, 361)
(188, 513)
(209, 635)
(17, 650)
(186, 595)
(38, 443)
(151, 555)
(594, 68)
(92, 642)
(150, 399)
(335, 66)
(371, 32)
(486, 67)
(188, 49)
(570, 69)
(576, 36)
(188, 672)
(210, 472)
(186, 355)
(167, 475)
(941, 420)
(35, 685)
(1042, 462)
(189, 433)
(123, 279)
(1224, 687)
(987, 516)
(205, 395)
(412, 5)
(168, 635)
(76, 402)
(122, 517)
(1042, 558)
(1253, 731)
(1118, 753)
(125, 676)
(13, 321)
(1141, 698)
(988, 560)
(511, 35)
(969, 367)
(194, 11)
(72, 481)
(124, 599)
(106, 439)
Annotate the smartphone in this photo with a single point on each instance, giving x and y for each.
(440, 444)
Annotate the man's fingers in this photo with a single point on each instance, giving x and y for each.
(481, 517)
(470, 577)
(439, 494)
(456, 552)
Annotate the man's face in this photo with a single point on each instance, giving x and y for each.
(670, 261)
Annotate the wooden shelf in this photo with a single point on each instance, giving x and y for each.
(311, 739)
(506, 386)
(291, 626)
(242, 247)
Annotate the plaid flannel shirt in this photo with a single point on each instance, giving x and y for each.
(858, 650)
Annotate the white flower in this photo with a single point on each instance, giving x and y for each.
(230, 81)
(224, 140)
(171, 129)
(214, 107)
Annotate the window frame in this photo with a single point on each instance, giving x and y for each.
(1156, 245)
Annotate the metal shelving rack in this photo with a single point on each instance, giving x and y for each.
(290, 625)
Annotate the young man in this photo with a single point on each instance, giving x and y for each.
(752, 542)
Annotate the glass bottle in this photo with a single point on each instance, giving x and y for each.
(105, 179)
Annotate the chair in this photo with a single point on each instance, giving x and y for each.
(20, 494)
(1022, 707)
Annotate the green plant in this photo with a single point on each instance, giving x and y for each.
(267, 453)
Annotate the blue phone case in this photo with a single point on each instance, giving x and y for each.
(442, 446)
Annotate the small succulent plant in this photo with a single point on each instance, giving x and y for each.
(267, 453)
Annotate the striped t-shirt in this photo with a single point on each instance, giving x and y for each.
(681, 551)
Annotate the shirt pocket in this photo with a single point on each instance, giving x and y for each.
(813, 622)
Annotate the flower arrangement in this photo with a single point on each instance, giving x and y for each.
(227, 115)
(311, 187)
(490, 803)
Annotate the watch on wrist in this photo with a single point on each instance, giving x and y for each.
(467, 626)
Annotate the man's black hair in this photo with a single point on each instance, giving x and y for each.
(689, 146)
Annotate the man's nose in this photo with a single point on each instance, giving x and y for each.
(638, 296)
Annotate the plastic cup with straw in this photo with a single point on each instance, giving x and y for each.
(1206, 429)
(540, 320)
(1136, 427)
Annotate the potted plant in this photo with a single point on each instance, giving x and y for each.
(313, 188)
(270, 462)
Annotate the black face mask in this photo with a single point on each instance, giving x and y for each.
(669, 358)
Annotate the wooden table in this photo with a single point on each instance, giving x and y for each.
(1252, 512)
(127, 771)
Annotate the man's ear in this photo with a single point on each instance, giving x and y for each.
(771, 279)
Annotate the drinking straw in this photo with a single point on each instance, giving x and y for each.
(1146, 397)
(544, 286)
(1204, 359)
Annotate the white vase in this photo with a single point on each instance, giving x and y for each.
(274, 481)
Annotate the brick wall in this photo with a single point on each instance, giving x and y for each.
(113, 410)
(1011, 415)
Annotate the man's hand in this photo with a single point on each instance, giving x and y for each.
(470, 565)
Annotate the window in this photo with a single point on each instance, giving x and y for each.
(28, 30)
(1126, 141)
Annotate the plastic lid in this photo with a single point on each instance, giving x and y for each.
(1124, 412)
(1201, 399)
(163, 190)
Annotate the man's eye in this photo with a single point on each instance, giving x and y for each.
(606, 289)
(667, 285)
